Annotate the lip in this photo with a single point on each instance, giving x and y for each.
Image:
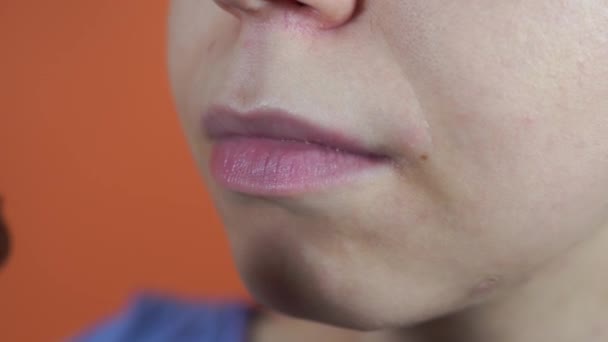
(222, 122)
(270, 152)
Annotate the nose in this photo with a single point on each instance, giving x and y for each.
(326, 13)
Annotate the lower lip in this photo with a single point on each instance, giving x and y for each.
(271, 167)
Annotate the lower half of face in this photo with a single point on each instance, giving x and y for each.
(493, 115)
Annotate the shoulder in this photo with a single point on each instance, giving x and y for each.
(154, 317)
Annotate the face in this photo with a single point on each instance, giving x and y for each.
(493, 114)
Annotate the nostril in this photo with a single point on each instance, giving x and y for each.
(324, 14)
(292, 3)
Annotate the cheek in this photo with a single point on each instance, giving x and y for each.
(519, 154)
(529, 189)
(517, 122)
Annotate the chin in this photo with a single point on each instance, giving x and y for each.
(332, 289)
(296, 295)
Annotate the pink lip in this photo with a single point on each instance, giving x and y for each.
(270, 152)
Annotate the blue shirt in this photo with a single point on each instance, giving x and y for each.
(158, 318)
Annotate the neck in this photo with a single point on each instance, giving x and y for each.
(565, 301)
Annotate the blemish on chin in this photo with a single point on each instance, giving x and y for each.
(486, 286)
(527, 120)
(211, 46)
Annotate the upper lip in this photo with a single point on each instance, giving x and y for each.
(220, 122)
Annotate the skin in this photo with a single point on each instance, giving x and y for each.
(490, 224)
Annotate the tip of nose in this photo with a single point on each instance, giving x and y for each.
(332, 13)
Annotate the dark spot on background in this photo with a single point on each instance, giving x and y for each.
(4, 237)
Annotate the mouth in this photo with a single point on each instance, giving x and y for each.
(271, 152)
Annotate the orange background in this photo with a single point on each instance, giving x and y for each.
(101, 194)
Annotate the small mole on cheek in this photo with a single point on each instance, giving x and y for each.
(424, 157)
